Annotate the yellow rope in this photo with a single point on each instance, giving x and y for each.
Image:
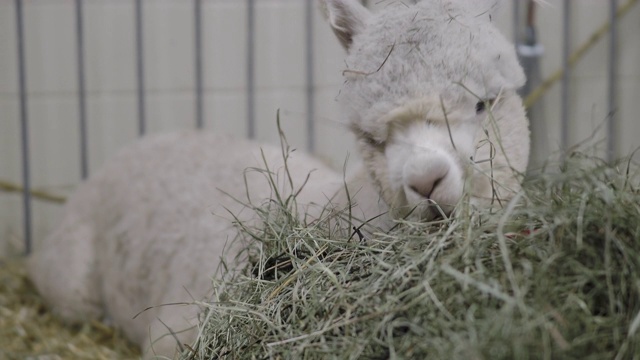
(576, 56)
(37, 194)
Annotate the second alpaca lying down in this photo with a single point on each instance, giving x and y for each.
(151, 227)
(430, 97)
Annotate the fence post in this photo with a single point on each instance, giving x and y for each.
(198, 65)
(24, 128)
(82, 112)
(140, 66)
(566, 74)
(311, 144)
(251, 118)
(612, 130)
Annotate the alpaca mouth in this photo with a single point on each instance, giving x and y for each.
(435, 205)
(421, 209)
(429, 210)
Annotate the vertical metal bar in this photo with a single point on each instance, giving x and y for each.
(311, 145)
(140, 66)
(24, 127)
(82, 112)
(613, 83)
(251, 126)
(566, 74)
(198, 65)
(516, 21)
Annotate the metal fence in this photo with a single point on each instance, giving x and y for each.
(524, 34)
(140, 79)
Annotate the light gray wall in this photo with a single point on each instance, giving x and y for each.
(280, 82)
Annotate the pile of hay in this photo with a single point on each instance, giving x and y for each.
(555, 274)
(29, 331)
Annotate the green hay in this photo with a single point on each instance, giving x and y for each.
(555, 274)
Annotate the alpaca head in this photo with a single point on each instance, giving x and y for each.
(422, 85)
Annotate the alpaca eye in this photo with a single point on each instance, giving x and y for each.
(481, 106)
(371, 140)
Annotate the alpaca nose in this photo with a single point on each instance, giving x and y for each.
(423, 176)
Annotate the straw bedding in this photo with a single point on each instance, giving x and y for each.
(29, 331)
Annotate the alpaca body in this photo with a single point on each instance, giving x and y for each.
(152, 226)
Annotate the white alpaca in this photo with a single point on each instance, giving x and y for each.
(151, 226)
(419, 84)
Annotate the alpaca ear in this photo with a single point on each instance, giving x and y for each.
(346, 17)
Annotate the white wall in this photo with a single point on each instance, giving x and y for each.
(588, 103)
(280, 82)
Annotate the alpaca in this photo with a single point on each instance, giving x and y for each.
(153, 225)
(430, 96)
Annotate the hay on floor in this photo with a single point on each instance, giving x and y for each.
(554, 274)
(29, 331)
